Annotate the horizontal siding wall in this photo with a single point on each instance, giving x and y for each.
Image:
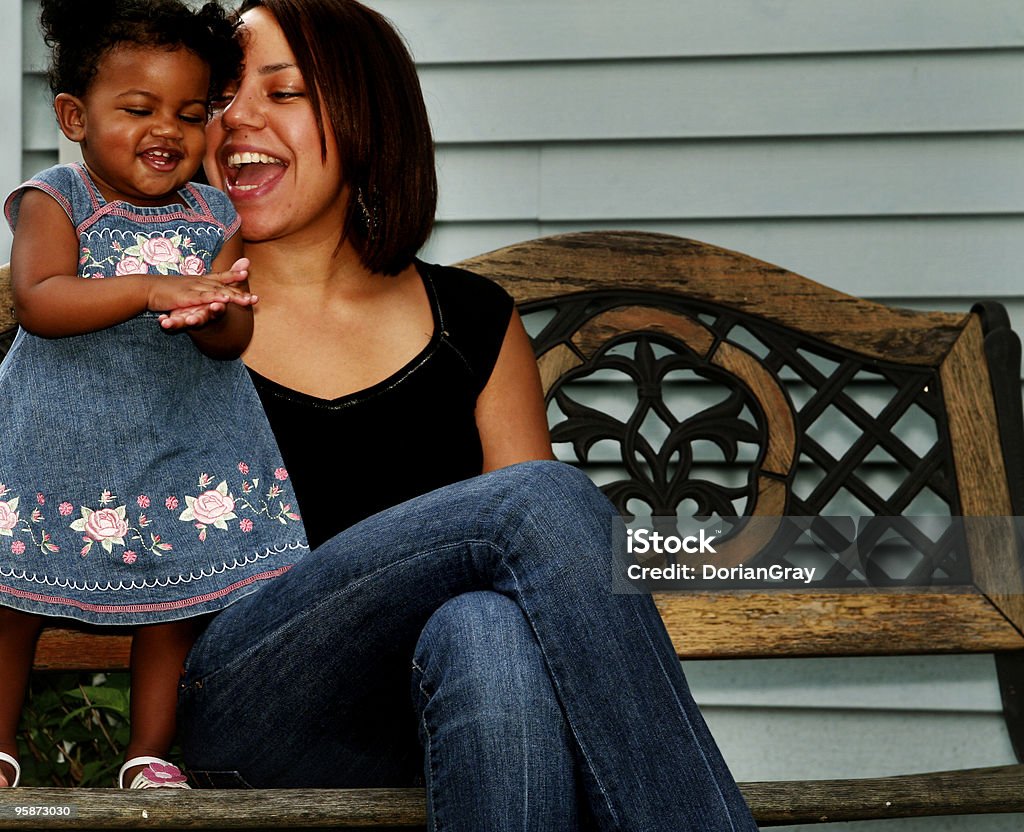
(11, 130)
(874, 145)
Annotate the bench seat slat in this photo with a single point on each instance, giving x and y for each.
(992, 790)
(733, 624)
(737, 624)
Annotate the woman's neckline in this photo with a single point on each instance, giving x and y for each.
(268, 385)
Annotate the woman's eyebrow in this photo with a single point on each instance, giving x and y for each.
(270, 69)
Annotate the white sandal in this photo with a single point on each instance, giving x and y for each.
(157, 774)
(7, 758)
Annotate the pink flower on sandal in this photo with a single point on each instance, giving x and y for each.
(163, 773)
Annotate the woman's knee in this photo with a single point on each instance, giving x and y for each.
(558, 504)
(478, 648)
(543, 481)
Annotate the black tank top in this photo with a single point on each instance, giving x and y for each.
(413, 432)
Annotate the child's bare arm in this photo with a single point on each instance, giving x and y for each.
(220, 330)
(52, 301)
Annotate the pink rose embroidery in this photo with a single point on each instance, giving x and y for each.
(130, 265)
(143, 501)
(171, 503)
(211, 508)
(106, 526)
(65, 508)
(129, 557)
(18, 547)
(159, 250)
(245, 525)
(281, 474)
(8, 516)
(193, 265)
(243, 468)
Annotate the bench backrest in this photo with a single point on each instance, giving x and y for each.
(688, 378)
(826, 405)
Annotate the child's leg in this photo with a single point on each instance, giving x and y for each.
(158, 657)
(18, 632)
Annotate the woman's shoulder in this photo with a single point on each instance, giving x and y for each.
(462, 289)
(474, 315)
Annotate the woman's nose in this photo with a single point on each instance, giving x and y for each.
(243, 112)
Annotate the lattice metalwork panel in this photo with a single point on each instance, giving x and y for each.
(716, 414)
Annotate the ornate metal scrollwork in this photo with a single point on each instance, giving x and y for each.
(783, 425)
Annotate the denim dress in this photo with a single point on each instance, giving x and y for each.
(139, 479)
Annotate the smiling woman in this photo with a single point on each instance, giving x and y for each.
(375, 141)
(452, 555)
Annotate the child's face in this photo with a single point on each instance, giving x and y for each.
(143, 121)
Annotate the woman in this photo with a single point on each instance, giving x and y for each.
(540, 700)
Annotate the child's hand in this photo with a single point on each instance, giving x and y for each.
(214, 290)
(200, 314)
(192, 316)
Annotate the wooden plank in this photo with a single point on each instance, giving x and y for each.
(781, 440)
(7, 319)
(733, 624)
(454, 31)
(220, 809)
(790, 623)
(996, 562)
(59, 648)
(997, 789)
(902, 260)
(674, 99)
(992, 790)
(555, 363)
(541, 269)
(725, 179)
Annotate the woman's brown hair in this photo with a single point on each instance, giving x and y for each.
(356, 63)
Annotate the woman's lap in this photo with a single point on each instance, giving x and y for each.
(316, 665)
(306, 682)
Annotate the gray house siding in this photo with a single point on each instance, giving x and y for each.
(873, 145)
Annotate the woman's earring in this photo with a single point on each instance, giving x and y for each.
(369, 214)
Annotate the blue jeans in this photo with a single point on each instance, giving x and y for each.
(540, 698)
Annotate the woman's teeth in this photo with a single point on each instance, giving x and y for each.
(251, 170)
(238, 159)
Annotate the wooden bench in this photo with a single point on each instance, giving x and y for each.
(666, 319)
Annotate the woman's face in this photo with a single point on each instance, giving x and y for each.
(263, 148)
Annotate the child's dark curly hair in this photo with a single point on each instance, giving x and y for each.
(81, 33)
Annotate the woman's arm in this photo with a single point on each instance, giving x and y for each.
(51, 300)
(510, 411)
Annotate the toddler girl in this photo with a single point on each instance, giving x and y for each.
(139, 481)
